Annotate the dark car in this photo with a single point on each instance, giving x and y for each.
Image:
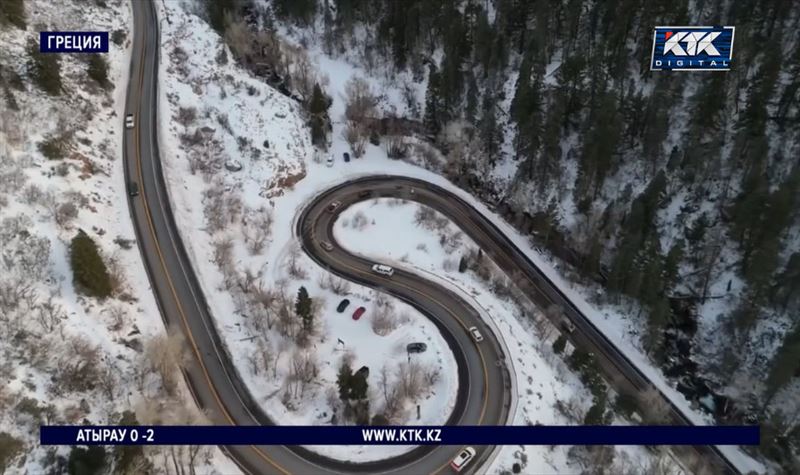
(359, 311)
(133, 188)
(346, 156)
(417, 347)
(364, 193)
(342, 305)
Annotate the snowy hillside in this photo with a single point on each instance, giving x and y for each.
(250, 264)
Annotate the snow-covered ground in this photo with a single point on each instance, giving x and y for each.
(392, 233)
(262, 187)
(66, 358)
(276, 181)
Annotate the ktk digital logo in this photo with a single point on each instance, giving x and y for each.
(692, 48)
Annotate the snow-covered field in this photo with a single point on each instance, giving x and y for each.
(67, 358)
(261, 186)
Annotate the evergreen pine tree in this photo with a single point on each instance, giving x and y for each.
(432, 119)
(45, 69)
(88, 269)
(785, 364)
(218, 12)
(358, 387)
(490, 132)
(129, 458)
(784, 290)
(343, 382)
(98, 69)
(298, 11)
(13, 12)
(302, 307)
(319, 121)
(462, 264)
(87, 461)
(318, 104)
(559, 344)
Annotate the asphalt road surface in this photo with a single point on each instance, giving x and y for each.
(215, 385)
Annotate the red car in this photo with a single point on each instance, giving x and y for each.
(359, 311)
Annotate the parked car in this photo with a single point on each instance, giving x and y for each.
(416, 347)
(346, 157)
(329, 161)
(359, 311)
(133, 188)
(567, 325)
(476, 335)
(342, 305)
(334, 206)
(462, 459)
(383, 270)
(326, 245)
(129, 121)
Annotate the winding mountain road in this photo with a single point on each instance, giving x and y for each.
(484, 385)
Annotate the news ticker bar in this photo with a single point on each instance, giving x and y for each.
(405, 435)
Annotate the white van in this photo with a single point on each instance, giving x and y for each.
(383, 270)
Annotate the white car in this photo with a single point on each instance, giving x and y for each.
(334, 206)
(326, 245)
(329, 162)
(462, 459)
(476, 335)
(383, 270)
(129, 121)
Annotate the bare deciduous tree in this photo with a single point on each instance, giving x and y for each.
(335, 284)
(49, 315)
(361, 101)
(304, 369)
(166, 354)
(65, 214)
(409, 378)
(356, 136)
(256, 228)
(293, 262)
(383, 320)
(223, 252)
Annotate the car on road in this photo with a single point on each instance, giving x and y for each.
(346, 157)
(416, 347)
(326, 245)
(358, 313)
(476, 335)
(364, 193)
(342, 305)
(329, 161)
(462, 459)
(567, 325)
(129, 121)
(383, 270)
(133, 188)
(334, 206)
